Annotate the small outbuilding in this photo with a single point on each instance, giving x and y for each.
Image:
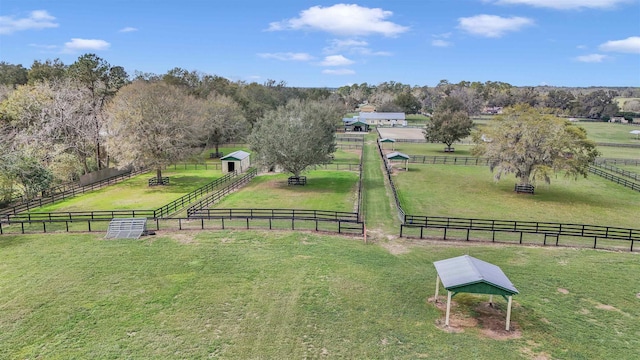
(388, 140)
(398, 156)
(466, 274)
(238, 161)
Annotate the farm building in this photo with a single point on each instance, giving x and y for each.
(236, 161)
(367, 108)
(354, 124)
(383, 118)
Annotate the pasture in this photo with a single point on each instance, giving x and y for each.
(135, 194)
(273, 295)
(471, 192)
(325, 190)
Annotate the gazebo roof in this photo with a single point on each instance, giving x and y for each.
(236, 156)
(397, 156)
(470, 275)
(384, 140)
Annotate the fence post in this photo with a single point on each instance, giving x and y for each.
(89, 225)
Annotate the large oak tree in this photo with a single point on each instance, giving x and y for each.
(534, 146)
(297, 135)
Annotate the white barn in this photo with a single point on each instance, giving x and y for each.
(236, 161)
(383, 118)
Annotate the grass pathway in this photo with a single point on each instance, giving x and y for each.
(380, 213)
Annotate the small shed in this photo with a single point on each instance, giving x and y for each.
(237, 161)
(395, 156)
(467, 274)
(389, 140)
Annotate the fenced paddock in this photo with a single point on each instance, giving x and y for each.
(520, 232)
(302, 220)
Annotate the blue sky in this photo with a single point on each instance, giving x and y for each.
(331, 44)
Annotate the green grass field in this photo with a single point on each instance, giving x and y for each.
(135, 194)
(470, 192)
(325, 190)
(271, 295)
(610, 132)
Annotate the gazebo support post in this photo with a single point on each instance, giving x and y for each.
(491, 300)
(446, 320)
(406, 163)
(508, 312)
(437, 288)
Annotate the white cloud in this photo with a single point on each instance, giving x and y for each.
(85, 44)
(591, 58)
(38, 19)
(565, 4)
(342, 19)
(492, 25)
(441, 43)
(128, 29)
(338, 72)
(336, 60)
(581, 47)
(628, 45)
(288, 56)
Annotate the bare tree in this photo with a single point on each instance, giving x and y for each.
(152, 125)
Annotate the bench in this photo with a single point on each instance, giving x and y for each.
(525, 189)
(297, 180)
(163, 181)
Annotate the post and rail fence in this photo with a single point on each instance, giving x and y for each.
(548, 229)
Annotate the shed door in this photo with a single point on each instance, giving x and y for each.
(232, 166)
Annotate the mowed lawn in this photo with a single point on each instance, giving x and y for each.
(470, 192)
(136, 194)
(271, 295)
(325, 190)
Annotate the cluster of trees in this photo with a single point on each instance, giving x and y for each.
(595, 103)
(58, 122)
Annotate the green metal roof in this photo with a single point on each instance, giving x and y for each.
(385, 140)
(236, 156)
(470, 275)
(397, 156)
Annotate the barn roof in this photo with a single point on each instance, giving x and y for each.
(236, 155)
(468, 274)
(397, 156)
(382, 116)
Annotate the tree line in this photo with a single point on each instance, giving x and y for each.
(58, 121)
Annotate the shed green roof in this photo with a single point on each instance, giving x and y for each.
(471, 275)
(236, 156)
(397, 156)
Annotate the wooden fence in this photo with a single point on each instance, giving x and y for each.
(547, 229)
(69, 191)
(218, 195)
(616, 179)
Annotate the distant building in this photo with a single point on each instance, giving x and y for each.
(354, 124)
(492, 110)
(367, 108)
(383, 118)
